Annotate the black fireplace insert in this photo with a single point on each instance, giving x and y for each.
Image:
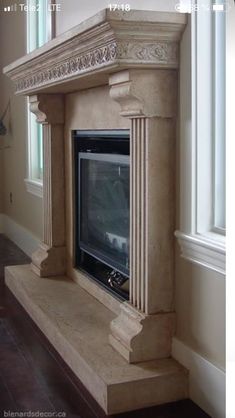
(102, 183)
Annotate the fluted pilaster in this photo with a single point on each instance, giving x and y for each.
(149, 99)
(49, 259)
(47, 198)
(138, 229)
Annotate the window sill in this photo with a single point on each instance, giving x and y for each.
(34, 186)
(204, 250)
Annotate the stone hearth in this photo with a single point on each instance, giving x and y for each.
(114, 71)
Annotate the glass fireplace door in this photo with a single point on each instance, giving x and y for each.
(104, 208)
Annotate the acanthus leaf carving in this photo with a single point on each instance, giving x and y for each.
(157, 53)
(75, 65)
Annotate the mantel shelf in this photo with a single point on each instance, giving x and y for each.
(108, 42)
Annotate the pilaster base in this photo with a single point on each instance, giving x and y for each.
(48, 261)
(139, 337)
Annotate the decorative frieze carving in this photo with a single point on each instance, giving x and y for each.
(69, 68)
(139, 53)
(144, 52)
(109, 42)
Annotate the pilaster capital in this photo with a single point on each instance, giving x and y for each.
(145, 93)
(48, 108)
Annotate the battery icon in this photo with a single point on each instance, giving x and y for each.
(218, 7)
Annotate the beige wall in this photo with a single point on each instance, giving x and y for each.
(200, 307)
(200, 292)
(1, 143)
(75, 11)
(1, 179)
(25, 209)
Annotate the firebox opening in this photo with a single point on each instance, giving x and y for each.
(102, 190)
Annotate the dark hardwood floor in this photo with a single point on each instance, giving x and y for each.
(33, 377)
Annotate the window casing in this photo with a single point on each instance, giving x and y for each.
(219, 58)
(202, 234)
(40, 29)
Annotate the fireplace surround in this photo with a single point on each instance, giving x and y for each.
(115, 71)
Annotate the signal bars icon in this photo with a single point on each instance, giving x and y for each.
(12, 8)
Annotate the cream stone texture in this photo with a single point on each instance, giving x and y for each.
(131, 328)
(141, 97)
(49, 259)
(105, 43)
(161, 213)
(67, 17)
(151, 214)
(79, 331)
(148, 93)
(199, 292)
(88, 109)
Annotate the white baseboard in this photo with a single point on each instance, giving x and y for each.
(25, 240)
(206, 381)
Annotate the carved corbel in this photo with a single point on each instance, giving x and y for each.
(145, 93)
(48, 108)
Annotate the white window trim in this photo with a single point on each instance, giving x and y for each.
(33, 182)
(35, 185)
(202, 251)
(198, 240)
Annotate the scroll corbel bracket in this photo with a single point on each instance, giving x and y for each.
(48, 108)
(123, 92)
(145, 93)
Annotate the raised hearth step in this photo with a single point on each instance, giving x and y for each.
(77, 325)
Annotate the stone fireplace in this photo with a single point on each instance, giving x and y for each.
(116, 71)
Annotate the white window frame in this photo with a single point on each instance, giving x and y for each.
(34, 181)
(219, 129)
(200, 240)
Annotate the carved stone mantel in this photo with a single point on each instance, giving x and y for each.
(106, 43)
(136, 53)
